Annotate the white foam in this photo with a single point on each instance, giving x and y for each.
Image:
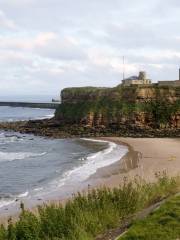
(45, 117)
(4, 139)
(4, 203)
(94, 162)
(49, 116)
(95, 140)
(11, 156)
(38, 189)
(22, 195)
(89, 165)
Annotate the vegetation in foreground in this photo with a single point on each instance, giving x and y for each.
(88, 215)
(163, 224)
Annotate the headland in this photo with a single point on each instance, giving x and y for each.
(144, 116)
(135, 108)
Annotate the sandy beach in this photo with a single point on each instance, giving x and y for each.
(146, 157)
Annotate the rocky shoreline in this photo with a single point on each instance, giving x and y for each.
(55, 129)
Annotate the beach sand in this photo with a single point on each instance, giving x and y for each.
(146, 157)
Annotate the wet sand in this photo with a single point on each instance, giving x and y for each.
(146, 157)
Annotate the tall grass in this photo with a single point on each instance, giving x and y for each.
(87, 215)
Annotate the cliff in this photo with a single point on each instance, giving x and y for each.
(153, 106)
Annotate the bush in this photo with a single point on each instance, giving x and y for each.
(87, 215)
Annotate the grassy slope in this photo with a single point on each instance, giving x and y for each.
(163, 224)
(86, 216)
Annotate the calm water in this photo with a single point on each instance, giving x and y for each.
(9, 114)
(32, 166)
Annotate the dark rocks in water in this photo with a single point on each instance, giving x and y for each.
(135, 111)
(55, 129)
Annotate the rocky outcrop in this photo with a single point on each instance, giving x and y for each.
(175, 121)
(141, 106)
(53, 129)
(122, 111)
(170, 94)
(141, 119)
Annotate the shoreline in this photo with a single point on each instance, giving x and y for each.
(139, 161)
(53, 128)
(70, 188)
(145, 158)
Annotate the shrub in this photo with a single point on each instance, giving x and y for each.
(90, 214)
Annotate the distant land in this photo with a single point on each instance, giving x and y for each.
(141, 113)
(135, 108)
(48, 105)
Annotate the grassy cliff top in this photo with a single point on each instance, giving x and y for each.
(120, 86)
(87, 89)
(120, 91)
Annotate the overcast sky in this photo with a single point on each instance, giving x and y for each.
(46, 45)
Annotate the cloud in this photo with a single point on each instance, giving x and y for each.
(65, 48)
(23, 42)
(46, 45)
(6, 22)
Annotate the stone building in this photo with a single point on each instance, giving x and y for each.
(143, 80)
(137, 80)
(175, 83)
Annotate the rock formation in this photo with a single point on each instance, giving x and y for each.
(141, 106)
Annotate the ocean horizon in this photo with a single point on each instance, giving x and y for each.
(28, 98)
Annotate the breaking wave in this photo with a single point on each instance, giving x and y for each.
(93, 162)
(7, 138)
(11, 156)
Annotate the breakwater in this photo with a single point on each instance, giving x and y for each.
(48, 105)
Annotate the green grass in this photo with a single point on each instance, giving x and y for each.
(115, 103)
(88, 215)
(162, 224)
(114, 109)
(83, 90)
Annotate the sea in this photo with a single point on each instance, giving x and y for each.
(32, 167)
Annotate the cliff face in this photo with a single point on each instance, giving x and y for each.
(140, 106)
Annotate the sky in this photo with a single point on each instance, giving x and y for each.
(47, 45)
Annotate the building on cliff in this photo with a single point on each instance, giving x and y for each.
(143, 80)
(137, 80)
(175, 83)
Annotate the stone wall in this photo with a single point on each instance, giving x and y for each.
(174, 83)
